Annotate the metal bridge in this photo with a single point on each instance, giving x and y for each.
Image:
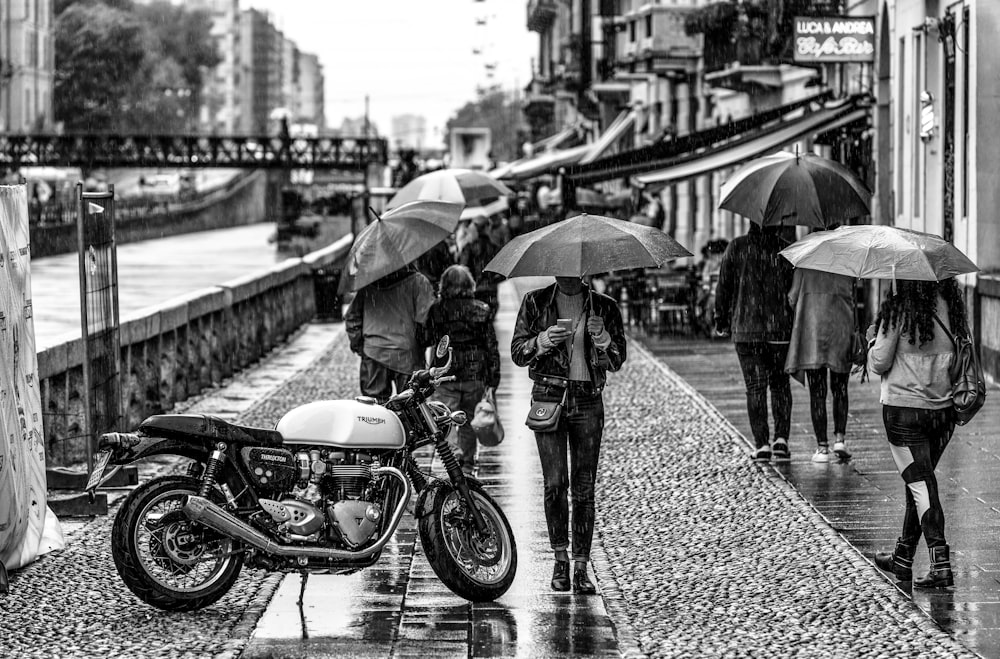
(266, 152)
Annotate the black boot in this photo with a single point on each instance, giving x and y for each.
(899, 562)
(940, 575)
(582, 584)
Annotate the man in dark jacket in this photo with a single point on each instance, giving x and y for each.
(571, 358)
(751, 305)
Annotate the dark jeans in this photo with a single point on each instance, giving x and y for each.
(580, 430)
(763, 366)
(463, 395)
(917, 438)
(817, 402)
(376, 379)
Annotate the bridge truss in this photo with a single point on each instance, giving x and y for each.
(267, 152)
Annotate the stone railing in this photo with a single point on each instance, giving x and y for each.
(177, 349)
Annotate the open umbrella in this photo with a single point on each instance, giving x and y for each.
(396, 239)
(583, 245)
(462, 186)
(804, 189)
(879, 252)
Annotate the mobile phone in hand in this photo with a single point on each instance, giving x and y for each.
(565, 323)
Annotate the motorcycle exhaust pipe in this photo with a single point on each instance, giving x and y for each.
(201, 510)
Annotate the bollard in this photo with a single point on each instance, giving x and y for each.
(329, 303)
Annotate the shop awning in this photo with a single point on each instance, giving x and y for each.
(622, 123)
(541, 148)
(749, 146)
(546, 163)
(666, 152)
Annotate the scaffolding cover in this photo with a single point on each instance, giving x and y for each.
(27, 527)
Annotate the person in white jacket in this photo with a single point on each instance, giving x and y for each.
(912, 354)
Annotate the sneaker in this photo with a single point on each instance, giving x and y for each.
(762, 454)
(840, 448)
(822, 454)
(780, 451)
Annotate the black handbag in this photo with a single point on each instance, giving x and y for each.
(968, 384)
(544, 415)
(859, 348)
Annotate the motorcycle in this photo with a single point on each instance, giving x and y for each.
(322, 492)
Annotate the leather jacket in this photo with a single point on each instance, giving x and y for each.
(538, 312)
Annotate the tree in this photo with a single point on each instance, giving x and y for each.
(101, 55)
(185, 36)
(502, 115)
(126, 67)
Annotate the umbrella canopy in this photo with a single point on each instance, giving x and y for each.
(803, 189)
(461, 186)
(879, 252)
(396, 239)
(585, 244)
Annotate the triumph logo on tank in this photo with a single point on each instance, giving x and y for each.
(371, 420)
(834, 39)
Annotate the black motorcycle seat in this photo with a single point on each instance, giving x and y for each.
(209, 427)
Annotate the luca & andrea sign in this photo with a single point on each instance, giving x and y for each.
(834, 39)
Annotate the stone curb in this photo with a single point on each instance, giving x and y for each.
(891, 599)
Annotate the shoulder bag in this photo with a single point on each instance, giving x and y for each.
(544, 415)
(967, 380)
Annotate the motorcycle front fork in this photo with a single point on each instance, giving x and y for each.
(457, 477)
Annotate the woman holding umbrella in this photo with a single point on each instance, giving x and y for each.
(913, 355)
(569, 337)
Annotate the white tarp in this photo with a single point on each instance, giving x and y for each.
(27, 526)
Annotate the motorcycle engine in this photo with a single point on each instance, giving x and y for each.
(338, 482)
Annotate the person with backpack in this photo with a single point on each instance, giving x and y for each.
(911, 350)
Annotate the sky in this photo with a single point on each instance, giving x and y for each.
(408, 56)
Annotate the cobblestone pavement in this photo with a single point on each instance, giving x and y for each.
(701, 553)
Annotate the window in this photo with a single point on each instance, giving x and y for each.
(631, 31)
(964, 45)
(918, 151)
(900, 145)
(649, 25)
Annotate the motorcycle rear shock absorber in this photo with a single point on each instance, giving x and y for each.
(214, 463)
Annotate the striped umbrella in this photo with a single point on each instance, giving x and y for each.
(479, 192)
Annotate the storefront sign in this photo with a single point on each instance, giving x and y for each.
(834, 39)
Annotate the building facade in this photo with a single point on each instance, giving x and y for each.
(409, 131)
(311, 104)
(261, 86)
(939, 82)
(219, 112)
(27, 65)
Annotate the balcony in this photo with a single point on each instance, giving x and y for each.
(541, 14)
(658, 32)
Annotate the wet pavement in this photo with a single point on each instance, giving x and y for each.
(399, 608)
(863, 498)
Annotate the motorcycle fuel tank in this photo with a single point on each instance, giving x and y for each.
(342, 423)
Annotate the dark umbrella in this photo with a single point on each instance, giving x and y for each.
(804, 189)
(396, 239)
(585, 245)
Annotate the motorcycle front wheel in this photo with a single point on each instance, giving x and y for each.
(164, 558)
(477, 566)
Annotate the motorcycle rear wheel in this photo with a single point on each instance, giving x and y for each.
(165, 559)
(478, 567)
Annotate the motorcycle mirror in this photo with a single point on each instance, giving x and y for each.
(442, 347)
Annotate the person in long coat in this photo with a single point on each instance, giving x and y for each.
(822, 330)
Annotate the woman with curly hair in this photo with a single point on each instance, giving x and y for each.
(913, 355)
